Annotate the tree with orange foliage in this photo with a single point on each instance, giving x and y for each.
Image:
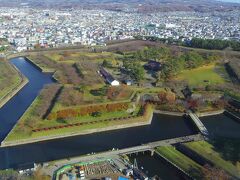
(167, 97)
(170, 97)
(162, 96)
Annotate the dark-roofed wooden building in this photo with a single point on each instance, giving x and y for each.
(108, 77)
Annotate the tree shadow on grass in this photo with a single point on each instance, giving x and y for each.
(228, 148)
(62, 121)
(99, 92)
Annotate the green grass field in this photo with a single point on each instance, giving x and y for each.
(206, 150)
(16, 135)
(9, 78)
(206, 75)
(182, 161)
(76, 56)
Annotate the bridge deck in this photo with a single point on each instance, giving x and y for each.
(198, 123)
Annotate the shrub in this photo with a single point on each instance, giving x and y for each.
(96, 114)
(87, 110)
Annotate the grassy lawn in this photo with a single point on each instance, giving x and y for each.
(213, 74)
(182, 161)
(19, 135)
(38, 62)
(91, 98)
(88, 118)
(9, 78)
(77, 56)
(206, 150)
(53, 56)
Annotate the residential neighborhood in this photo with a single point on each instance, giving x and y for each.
(29, 28)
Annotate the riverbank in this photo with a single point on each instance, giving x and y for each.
(210, 113)
(6, 143)
(15, 90)
(169, 113)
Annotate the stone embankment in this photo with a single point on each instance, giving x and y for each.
(210, 113)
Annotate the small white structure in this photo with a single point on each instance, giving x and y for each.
(115, 83)
(128, 82)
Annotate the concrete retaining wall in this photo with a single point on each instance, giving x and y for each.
(228, 113)
(211, 113)
(169, 113)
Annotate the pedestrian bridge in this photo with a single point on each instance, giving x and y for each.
(198, 123)
(50, 169)
(151, 146)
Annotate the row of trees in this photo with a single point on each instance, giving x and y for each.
(45, 99)
(213, 44)
(162, 40)
(87, 110)
(197, 42)
(71, 96)
(67, 74)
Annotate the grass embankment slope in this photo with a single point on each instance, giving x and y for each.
(24, 134)
(9, 78)
(207, 151)
(182, 161)
(209, 74)
(78, 56)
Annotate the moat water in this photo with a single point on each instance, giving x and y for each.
(155, 166)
